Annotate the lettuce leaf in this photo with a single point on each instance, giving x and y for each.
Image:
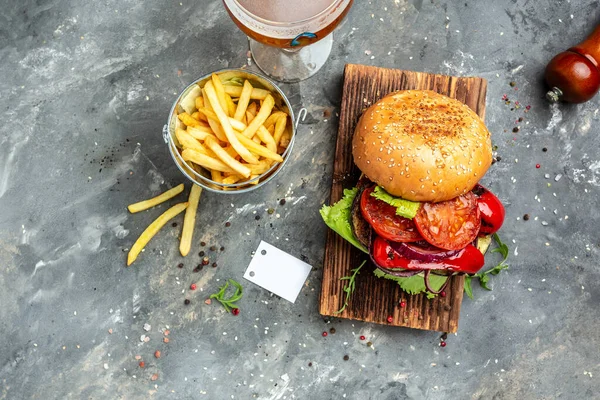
(404, 208)
(337, 217)
(415, 284)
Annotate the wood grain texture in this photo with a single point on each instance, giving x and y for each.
(375, 299)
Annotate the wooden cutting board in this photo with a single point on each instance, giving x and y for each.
(375, 299)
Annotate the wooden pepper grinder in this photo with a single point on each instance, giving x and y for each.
(574, 75)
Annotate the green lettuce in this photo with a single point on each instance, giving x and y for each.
(415, 284)
(337, 217)
(404, 208)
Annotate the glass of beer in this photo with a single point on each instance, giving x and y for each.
(290, 40)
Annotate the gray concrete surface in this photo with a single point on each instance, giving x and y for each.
(85, 89)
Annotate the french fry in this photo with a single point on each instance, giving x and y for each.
(189, 220)
(227, 159)
(243, 101)
(199, 101)
(235, 124)
(199, 132)
(285, 139)
(229, 132)
(187, 141)
(272, 118)
(196, 115)
(257, 148)
(255, 182)
(260, 168)
(256, 94)
(213, 123)
(279, 128)
(232, 179)
(249, 116)
(220, 91)
(266, 137)
(260, 117)
(188, 120)
(256, 139)
(216, 176)
(231, 151)
(152, 229)
(205, 161)
(252, 108)
(231, 107)
(146, 204)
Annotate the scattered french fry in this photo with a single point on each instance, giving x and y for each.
(189, 220)
(227, 159)
(231, 138)
(146, 204)
(261, 117)
(152, 230)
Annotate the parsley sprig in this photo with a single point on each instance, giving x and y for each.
(228, 303)
(484, 277)
(350, 285)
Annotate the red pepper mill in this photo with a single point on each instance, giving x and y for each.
(574, 75)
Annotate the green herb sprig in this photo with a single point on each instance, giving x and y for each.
(484, 277)
(229, 303)
(350, 286)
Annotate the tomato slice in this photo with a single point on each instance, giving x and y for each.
(382, 217)
(491, 210)
(450, 225)
(468, 260)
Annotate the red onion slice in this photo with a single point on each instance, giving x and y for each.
(422, 251)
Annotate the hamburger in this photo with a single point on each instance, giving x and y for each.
(418, 209)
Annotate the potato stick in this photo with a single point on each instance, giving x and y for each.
(235, 124)
(189, 220)
(258, 149)
(230, 106)
(231, 151)
(266, 138)
(216, 176)
(146, 204)
(272, 119)
(261, 168)
(285, 139)
(199, 102)
(188, 120)
(199, 132)
(229, 132)
(253, 177)
(188, 141)
(256, 94)
(249, 117)
(205, 161)
(252, 108)
(152, 229)
(227, 159)
(220, 91)
(279, 128)
(232, 179)
(260, 117)
(244, 101)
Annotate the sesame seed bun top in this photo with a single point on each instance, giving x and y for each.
(422, 146)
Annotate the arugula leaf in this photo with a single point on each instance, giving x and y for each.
(484, 277)
(502, 247)
(228, 303)
(404, 208)
(468, 288)
(349, 288)
(415, 284)
(337, 217)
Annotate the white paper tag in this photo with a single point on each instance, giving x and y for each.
(277, 271)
